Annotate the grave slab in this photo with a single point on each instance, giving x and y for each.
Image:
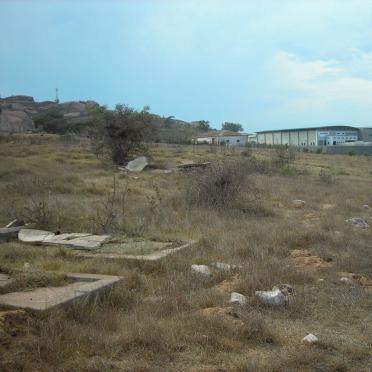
(50, 297)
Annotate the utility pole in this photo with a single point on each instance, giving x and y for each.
(57, 98)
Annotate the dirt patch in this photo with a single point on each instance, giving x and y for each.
(229, 285)
(226, 314)
(360, 279)
(303, 258)
(326, 206)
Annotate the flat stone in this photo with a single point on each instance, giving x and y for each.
(49, 297)
(138, 164)
(310, 338)
(237, 298)
(365, 206)
(8, 233)
(161, 171)
(201, 269)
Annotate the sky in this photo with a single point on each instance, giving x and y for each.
(267, 64)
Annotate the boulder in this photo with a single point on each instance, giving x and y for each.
(138, 164)
(310, 339)
(201, 269)
(237, 298)
(358, 222)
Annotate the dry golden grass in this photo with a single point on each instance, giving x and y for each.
(151, 321)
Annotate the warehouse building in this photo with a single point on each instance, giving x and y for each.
(318, 136)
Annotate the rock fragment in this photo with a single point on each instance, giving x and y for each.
(201, 269)
(279, 295)
(138, 164)
(237, 298)
(310, 339)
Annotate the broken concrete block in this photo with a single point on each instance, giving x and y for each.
(201, 269)
(138, 164)
(8, 233)
(275, 297)
(49, 297)
(310, 338)
(237, 298)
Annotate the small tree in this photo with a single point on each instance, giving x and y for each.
(203, 125)
(234, 127)
(122, 133)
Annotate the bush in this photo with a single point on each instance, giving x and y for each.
(326, 177)
(283, 155)
(121, 133)
(219, 186)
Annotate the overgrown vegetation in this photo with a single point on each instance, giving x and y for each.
(159, 317)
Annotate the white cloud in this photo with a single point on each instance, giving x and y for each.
(318, 83)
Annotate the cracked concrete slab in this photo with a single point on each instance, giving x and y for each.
(50, 297)
(74, 240)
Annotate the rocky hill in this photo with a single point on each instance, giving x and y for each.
(18, 113)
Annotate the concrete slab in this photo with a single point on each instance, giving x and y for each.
(144, 257)
(50, 297)
(74, 240)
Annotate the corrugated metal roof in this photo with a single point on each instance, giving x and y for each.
(309, 128)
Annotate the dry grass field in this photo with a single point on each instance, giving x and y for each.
(163, 317)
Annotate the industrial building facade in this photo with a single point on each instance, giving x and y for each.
(319, 136)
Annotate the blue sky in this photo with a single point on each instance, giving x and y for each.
(265, 64)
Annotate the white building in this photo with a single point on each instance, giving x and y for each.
(223, 137)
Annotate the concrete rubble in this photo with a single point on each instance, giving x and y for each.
(137, 165)
(201, 269)
(237, 298)
(358, 222)
(49, 297)
(75, 240)
(279, 295)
